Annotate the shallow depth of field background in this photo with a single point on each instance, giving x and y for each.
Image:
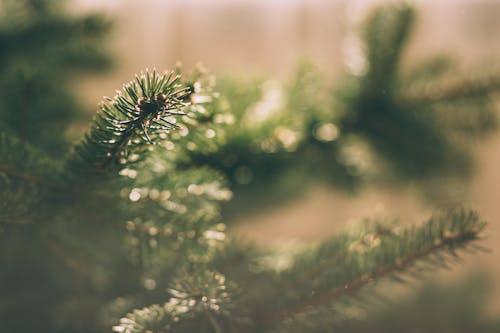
(259, 37)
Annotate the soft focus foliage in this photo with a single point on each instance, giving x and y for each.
(124, 229)
(42, 48)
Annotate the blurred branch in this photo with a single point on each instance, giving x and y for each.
(384, 257)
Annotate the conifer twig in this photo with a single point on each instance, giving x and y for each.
(444, 92)
(135, 115)
(461, 229)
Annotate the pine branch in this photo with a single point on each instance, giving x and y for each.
(26, 177)
(458, 307)
(410, 130)
(370, 259)
(200, 302)
(46, 31)
(29, 178)
(386, 30)
(21, 161)
(135, 117)
(174, 216)
(430, 93)
(341, 267)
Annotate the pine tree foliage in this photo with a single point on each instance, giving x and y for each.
(42, 47)
(125, 230)
(436, 308)
(382, 123)
(22, 189)
(145, 107)
(316, 278)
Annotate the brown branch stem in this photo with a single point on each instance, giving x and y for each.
(354, 285)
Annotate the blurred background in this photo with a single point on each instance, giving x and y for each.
(260, 37)
(243, 38)
(270, 37)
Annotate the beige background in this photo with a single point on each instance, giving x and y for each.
(252, 37)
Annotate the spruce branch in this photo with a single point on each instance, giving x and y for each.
(136, 115)
(199, 300)
(416, 127)
(14, 173)
(18, 160)
(372, 257)
(46, 30)
(457, 89)
(175, 215)
(386, 31)
(26, 177)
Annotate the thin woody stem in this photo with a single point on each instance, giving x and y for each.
(354, 285)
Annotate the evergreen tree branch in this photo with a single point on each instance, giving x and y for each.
(170, 205)
(410, 130)
(134, 117)
(26, 177)
(371, 258)
(174, 217)
(46, 32)
(457, 307)
(21, 161)
(386, 30)
(200, 300)
(430, 93)
(14, 173)
(340, 268)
